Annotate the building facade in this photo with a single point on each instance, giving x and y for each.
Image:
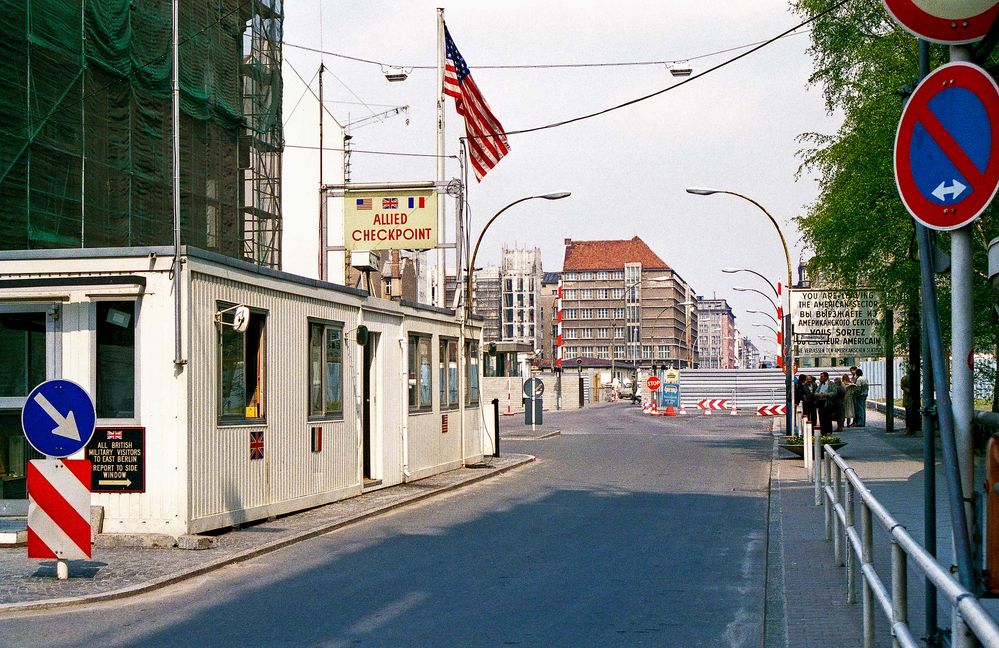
(520, 317)
(486, 300)
(549, 317)
(622, 303)
(716, 334)
(749, 355)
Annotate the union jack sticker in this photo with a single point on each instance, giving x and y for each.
(256, 445)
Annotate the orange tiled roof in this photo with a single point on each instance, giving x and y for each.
(610, 255)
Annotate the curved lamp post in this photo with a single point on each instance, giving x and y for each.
(475, 251)
(763, 277)
(777, 308)
(759, 312)
(788, 361)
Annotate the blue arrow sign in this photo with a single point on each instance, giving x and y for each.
(58, 418)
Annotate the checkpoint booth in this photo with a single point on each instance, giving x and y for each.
(291, 392)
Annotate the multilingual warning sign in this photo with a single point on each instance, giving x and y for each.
(836, 323)
(118, 460)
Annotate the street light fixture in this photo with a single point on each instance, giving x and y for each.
(475, 251)
(788, 361)
(763, 277)
(776, 306)
(759, 312)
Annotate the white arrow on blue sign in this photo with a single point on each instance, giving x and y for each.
(58, 418)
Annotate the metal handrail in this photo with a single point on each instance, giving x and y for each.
(970, 620)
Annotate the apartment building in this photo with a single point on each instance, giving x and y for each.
(520, 317)
(622, 303)
(716, 334)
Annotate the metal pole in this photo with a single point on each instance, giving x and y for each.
(178, 356)
(817, 441)
(929, 439)
(889, 371)
(899, 587)
(959, 525)
(962, 346)
(440, 299)
(867, 551)
(851, 522)
(323, 236)
(496, 449)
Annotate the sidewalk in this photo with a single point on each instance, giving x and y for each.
(806, 593)
(116, 573)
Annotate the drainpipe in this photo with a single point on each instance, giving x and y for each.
(403, 399)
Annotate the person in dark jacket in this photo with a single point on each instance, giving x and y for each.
(808, 399)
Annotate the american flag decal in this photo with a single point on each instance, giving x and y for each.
(256, 445)
(390, 203)
(364, 204)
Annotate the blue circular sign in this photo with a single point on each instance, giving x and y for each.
(58, 418)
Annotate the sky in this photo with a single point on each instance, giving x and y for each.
(736, 128)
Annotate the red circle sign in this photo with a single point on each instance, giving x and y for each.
(947, 147)
(654, 383)
(945, 21)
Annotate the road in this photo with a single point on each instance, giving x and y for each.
(627, 531)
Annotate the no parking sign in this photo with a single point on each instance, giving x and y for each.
(947, 147)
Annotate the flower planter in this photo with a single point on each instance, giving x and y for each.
(798, 449)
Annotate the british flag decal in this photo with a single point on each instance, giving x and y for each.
(256, 445)
(390, 203)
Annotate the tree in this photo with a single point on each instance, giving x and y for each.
(860, 232)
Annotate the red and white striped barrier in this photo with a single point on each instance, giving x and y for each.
(771, 410)
(59, 508)
(707, 405)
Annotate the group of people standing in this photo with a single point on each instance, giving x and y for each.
(842, 401)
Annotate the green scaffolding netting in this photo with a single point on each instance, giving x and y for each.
(86, 124)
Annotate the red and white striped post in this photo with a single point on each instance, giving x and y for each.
(59, 511)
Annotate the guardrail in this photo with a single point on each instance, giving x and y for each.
(970, 621)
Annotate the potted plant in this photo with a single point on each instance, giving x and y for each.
(796, 444)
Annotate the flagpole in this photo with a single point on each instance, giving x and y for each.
(440, 297)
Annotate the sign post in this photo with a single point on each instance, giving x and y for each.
(534, 388)
(58, 420)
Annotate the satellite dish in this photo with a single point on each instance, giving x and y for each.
(241, 319)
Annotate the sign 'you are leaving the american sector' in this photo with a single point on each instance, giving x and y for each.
(847, 321)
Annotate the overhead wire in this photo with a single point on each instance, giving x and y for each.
(537, 66)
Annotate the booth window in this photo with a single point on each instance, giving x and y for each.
(325, 369)
(242, 367)
(22, 356)
(472, 373)
(448, 362)
(115, 359)
(420, 385)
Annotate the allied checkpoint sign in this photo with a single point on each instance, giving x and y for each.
(951, 22)
(836, 323)
(947, 147)
(390, 219)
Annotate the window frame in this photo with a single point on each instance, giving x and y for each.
(136, 380)
(258, 324)
(325, 326)
(415, 388)
(444, 348)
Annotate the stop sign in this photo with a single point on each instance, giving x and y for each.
(654, 383)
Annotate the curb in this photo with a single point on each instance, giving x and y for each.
(163, 581)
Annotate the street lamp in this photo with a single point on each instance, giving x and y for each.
(475, 251)
(776, 306)
(763, 277)
(759, 312)
(788, 362)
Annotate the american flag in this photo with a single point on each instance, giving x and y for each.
(390, 203)
(487, 142)
(364, 204)
(256, 445)
(114, 435)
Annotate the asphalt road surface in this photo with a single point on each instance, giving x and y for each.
(628, 531)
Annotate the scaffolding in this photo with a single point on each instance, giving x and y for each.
(85, 123)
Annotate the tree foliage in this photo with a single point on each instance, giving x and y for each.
(858, 229)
